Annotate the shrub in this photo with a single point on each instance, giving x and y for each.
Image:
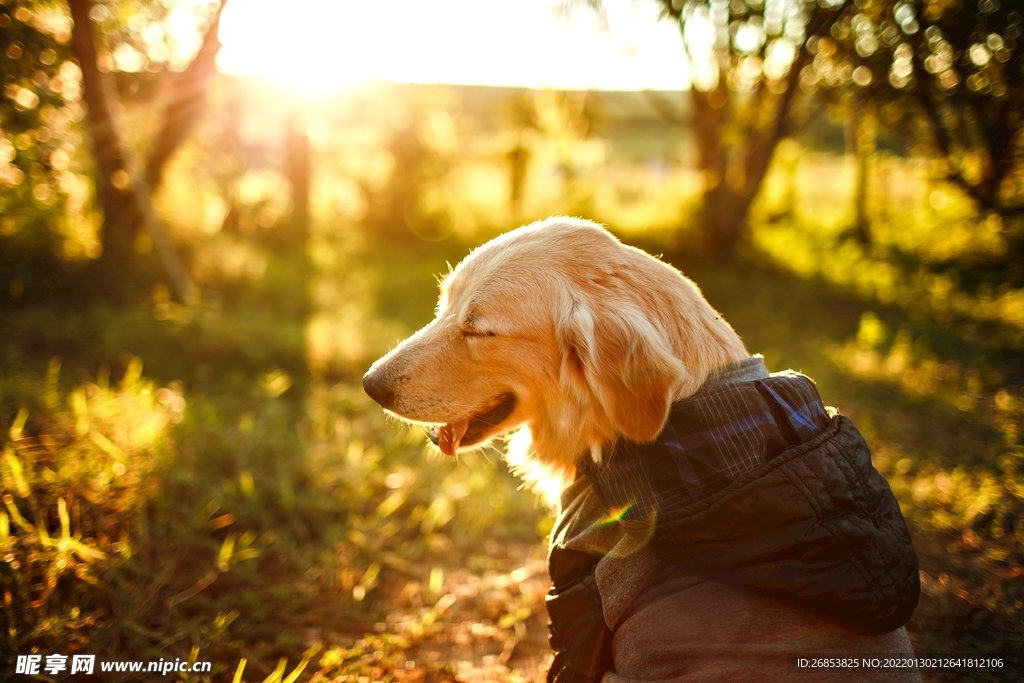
(77, 472)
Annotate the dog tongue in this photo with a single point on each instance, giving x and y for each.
(449, 436)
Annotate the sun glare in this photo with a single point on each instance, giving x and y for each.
(322, 46)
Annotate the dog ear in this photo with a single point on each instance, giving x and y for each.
(627, 364)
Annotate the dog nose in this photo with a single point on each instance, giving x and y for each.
(378, 390)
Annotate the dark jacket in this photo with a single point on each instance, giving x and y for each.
(755, 484)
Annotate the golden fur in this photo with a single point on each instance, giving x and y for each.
(593, 338)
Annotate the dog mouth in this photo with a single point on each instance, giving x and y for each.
(468, 431)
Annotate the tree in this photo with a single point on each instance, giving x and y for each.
(124, 187)
(745, 61)
(51, 69)
(955, 65)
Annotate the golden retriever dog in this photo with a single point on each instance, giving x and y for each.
(582, 343)
(560, 328)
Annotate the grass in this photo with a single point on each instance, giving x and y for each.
(196, 516)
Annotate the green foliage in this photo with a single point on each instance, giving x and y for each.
(150, 35)
(952, 66)
(930, 251)
(40, 93)
(44, 192)
(78, 471)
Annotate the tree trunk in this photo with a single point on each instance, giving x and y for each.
(728, 196)
(860, 146)
(123, 188)
(113, 186)
(729, 192)
(718, 226)
(297, 303)
(296, 240)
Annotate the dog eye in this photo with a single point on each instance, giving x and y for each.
(477, 333)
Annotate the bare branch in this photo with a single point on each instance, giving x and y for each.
(941, 138)
(185, 103)
(821, 20)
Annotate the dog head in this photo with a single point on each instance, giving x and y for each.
(560, 328)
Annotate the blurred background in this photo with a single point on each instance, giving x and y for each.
(215, 215)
